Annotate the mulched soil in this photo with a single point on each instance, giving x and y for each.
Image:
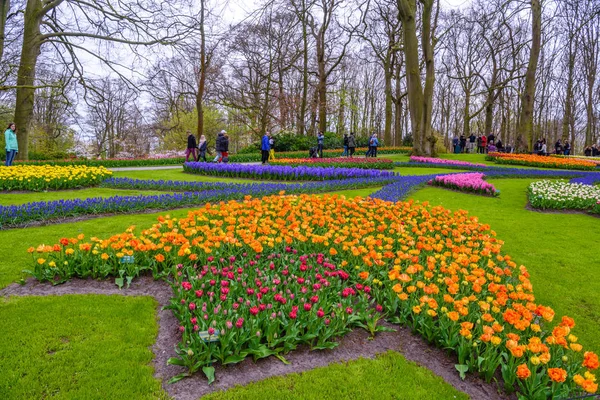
(352, 346)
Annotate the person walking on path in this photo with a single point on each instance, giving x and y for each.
(320, 142)
(12, 146)
(202, 147)
(345, 153)
(265, 147)
(191, 147)
(219, 146)
(225, 149)
(271, 147)
(351, 144)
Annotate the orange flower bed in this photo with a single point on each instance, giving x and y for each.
(532, 160)
(442, 273)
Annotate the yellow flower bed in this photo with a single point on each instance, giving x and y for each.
(441, 273)
(46, 177)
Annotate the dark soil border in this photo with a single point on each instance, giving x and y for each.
(354, 345)
(529, 207)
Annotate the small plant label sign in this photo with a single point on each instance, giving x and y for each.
(209, 338)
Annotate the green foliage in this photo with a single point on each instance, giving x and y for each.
(290, 141)
(360, 379)
(182, 121)
(78, 347)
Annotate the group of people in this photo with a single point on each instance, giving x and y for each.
(221, 148)
(350, 145)
(266, 147)
(592, 151)
(11, 146)
(560, 148)
(481, 144)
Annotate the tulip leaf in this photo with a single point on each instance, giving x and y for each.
(210, 373)
(462, 370)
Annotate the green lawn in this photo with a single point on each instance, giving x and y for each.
(78, 347)
(388, 376)
(559, 250)
(99, 346)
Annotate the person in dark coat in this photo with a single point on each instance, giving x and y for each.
(558, 147)
(471, 143)
(345, 153)
(225, 149)
(479, 148)
(320, 143)
(463, 143)
(567, 148)
(219, 146)
(456, 145)
(191, 147)
(351, 144)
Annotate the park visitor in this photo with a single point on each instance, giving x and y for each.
(191, 147)
(479, 148)
(265, 147)
(225, 149)
(373, 143)
(345, 153)
(463, 143)
(202, 147)
(484, 143)
(351, 144)
(272, 148)
(320, 141)
(558, 147)
(12, 146)
(567, 148)
(219, 146)
(471, 143)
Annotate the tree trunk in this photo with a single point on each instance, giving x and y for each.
(427, 43)
(202, 78)
(525, 127)
(4, 8)
(467, 115)
(387, 130)
(303, 104)
(569, 95)
(26, 75)
(322, 82)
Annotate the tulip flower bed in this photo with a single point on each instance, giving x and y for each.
(471, 182)
(440, 162)
(254, 157)
(441, 273)
(366, 163)
(560, 195)
(287, 173)
(201, 192)
(46, 177)
(241, 306)
(541, 161)
(595, 160)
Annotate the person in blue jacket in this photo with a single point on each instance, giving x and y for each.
(373, 143)
(12, 146)
(265, 147)
(320, 141)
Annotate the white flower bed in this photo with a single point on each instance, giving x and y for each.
(556, 194)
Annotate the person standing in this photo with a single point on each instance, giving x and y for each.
(345, 153)
(202, 147)
(471, 143)
(191, 147)
(479, 148)
(219, 146)
(567, 148)
(12, 146)
(265, 147)
(455, 145)
(351, 144)
(374, 144)
(320, 142)
(463, 143)
(225, 149)
(558, 148)
(271, 147)
(484, 142)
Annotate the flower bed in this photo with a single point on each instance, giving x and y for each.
(38, 178)
(287, 173)
(366, 163)
(595, 160)
(541, 161)
(254, 157)
(439, 272)
(471, 182)
(108, 163)
(560, 195)
(445, 163)
(14, 216)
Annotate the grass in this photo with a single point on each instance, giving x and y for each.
(388, 376)
(78, 347)
(560, 251)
